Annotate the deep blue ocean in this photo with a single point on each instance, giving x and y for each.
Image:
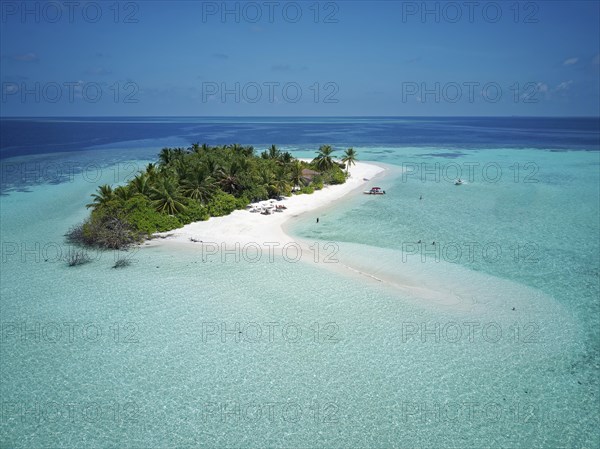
(20, 137)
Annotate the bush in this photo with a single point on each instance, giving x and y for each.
(75, 258)
(142, 217)
(256, 193)
(110, 231)
(194, 211)
(222, 204)
(286, 192)
(242, 202)
(337, 177)
(77, 236)
(122, 263)
(307, 189)
(317, 182)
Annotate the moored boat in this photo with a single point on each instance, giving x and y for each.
(374, 191)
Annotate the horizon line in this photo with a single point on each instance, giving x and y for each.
(296, 116)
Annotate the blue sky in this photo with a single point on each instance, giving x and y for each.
(300, 58)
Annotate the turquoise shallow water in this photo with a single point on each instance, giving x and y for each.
(177, 351)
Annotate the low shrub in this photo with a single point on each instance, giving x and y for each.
(122, 263)
(222, 204)
(109, 230)
(337, 177)
(194, 211)
(75, 258)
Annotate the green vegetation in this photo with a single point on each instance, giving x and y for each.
(199, 182)
(349, 158)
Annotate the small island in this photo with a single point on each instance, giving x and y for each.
(192, 184)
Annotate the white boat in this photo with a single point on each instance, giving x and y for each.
(459, 182)
(374, 191)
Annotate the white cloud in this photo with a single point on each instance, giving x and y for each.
(570, 61)
(542, 87)
(10, 88)
(565, 85)
(25, 57)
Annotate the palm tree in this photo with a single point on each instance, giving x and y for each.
(166, 196)
(180, 167)
(285, 158)
(199, 185)
(151, 171)
(212, 165)
(272, 153)
(229, 178)
(243, 164)
(324, 161)
(123, 193)
(296, 174)
(349, 159)
(236, 148)
(265, 176)
(141, 184)
(165, 156)
(281, 184)
(179, 152)
(104, 195)
(248, 151)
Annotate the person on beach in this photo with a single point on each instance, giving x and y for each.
(317, 219)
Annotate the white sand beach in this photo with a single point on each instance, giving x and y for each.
(243, 227)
